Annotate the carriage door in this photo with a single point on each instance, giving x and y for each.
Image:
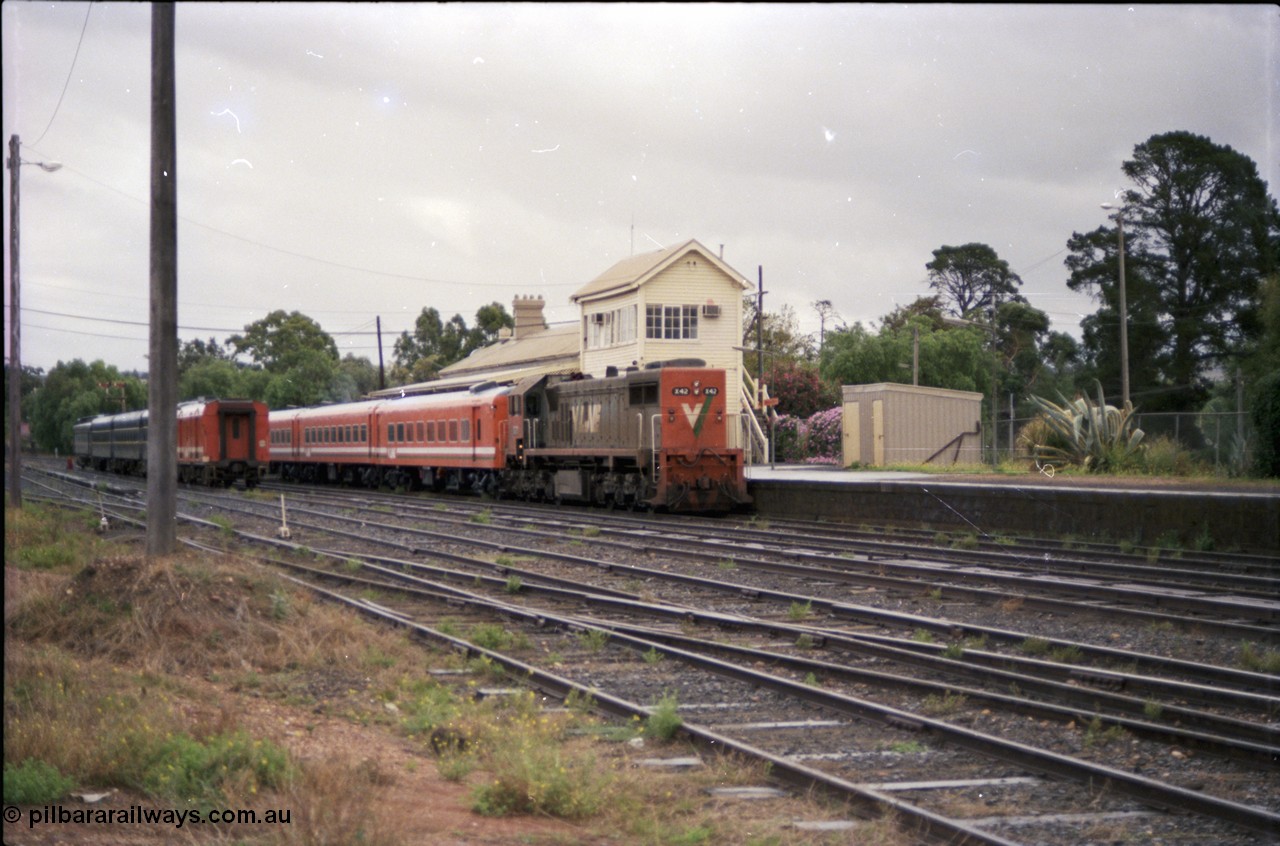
(237, 436)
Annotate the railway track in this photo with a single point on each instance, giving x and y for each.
(964, 732)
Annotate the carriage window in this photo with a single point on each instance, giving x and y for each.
(453, 430)
(364, 433)
(466, 430)
(431, 431)
(391, 433)
(421, 436)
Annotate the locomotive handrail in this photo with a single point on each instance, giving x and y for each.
(654, 430)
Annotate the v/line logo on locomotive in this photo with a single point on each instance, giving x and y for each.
(656, 437)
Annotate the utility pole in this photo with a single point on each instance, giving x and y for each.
(382, 371)
(15, 334)
(162, 381)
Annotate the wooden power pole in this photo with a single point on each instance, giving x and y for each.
(162, 382)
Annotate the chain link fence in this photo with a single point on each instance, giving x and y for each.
(1222, 440)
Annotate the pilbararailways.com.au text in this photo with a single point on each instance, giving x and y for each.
(138, 815)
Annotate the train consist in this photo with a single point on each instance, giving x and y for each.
(647, 438)
(220, 442)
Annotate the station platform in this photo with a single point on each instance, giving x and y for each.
(1148, 512)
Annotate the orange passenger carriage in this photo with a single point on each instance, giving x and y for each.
(441, 441)
(219, 441)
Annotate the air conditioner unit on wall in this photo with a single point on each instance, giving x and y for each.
(710, 310)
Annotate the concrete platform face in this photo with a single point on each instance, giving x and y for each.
(1106, 510)
(825, 473)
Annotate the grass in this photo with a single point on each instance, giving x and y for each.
(945, 705)
(1258, 660)
(122, 673)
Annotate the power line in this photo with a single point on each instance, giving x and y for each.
(316, 259)
(70, 71)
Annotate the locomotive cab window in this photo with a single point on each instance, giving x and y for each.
(643, 394)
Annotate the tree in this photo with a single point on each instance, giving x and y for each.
(972, 277)
(281, 341)
(799, 388)
(75, 390)
(436, 344)
(361, 372)
(1201, 233)
(191, 353)
(490, 320)
(952, 357)
(211, 377)
(782, 342)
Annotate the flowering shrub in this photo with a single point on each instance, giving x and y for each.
(824, 443)
(815, 440)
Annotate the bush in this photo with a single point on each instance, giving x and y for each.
(1266, 421)
(815, 440)
(34, 783)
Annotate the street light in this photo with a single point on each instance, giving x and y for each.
(14, 164)
(1124, 312)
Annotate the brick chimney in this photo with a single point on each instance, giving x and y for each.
(527, 312)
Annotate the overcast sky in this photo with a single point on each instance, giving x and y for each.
(352, 161)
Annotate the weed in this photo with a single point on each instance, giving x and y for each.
(944, 705)
(664, 718)
(513, 584)
(805, 641)
(908, 747)
(653, 656)
(966, 541)
(279, 605)
(1096, 735)
(1035, 646)
(922, 636)
(223, 522)
(1259, 661)
(490, 636)
(1204, 541)
(1152, 709)
(727, 564)
(1127, 546)
(593, 639)
(954, 651)
(1066, 655)
(935, 594)
(483, 518)
(590, 531)
(800, 610)
(811, 679)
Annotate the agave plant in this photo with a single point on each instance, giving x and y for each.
(1097, 436)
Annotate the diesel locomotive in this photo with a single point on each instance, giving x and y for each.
(655, 437)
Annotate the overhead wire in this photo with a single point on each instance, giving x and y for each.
(70, 71)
